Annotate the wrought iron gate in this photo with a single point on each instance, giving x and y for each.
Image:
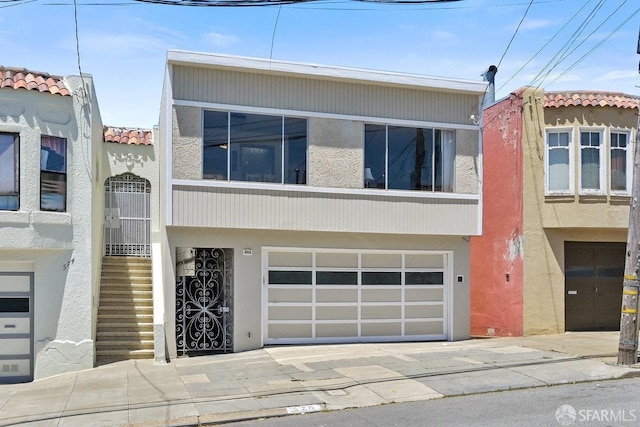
(127, 225)
(204, 298)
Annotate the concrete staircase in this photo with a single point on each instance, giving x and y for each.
(125, 312)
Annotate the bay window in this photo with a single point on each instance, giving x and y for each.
(407, 158)
(9, 172)
(254, 147)
(53, 174)
(559, 161)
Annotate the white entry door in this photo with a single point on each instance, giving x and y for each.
(16, 327)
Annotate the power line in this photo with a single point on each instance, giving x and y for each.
(515, 32)
(250, 3)
(572, 66)
(542, 48)
(562, 52)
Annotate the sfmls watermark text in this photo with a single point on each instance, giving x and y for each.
(567, 415)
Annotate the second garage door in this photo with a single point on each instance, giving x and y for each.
(594, 273)
(324, 295)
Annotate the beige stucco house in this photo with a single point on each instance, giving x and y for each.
(556, 213)
(304, 203)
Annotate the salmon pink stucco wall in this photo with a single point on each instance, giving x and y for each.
(496, 257)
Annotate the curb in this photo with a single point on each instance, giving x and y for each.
(234, 417)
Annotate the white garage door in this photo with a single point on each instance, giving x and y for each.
(16, 326)
(315, 296)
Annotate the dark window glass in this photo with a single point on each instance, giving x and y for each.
(295, 151)
(415, 158)
(406, 157)
(9, 172)
(256, 147)
(14, 305)
(424, 278)
(53, 175)
(610, 272)
(381, 278)
(336, 278)
(578, 271)
(289, 277)
(216, 145)
(375, 143)
(249, 147)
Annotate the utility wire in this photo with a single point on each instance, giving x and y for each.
(561, 54)
(542, 48)
(567, 55)
(596, 46)
(514, 34)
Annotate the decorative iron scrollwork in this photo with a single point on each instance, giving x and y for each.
(204, 315)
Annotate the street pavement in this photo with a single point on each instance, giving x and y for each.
(276, 381)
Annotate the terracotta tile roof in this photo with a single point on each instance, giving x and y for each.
(128, 136)
(20, 78)
(590, 99)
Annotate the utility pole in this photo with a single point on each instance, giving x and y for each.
(628, 344)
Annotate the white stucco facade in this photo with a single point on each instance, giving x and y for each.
(56, 247)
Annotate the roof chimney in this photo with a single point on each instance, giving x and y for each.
(490, 94)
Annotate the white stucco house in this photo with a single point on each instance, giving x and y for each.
(50, 136)
(76, 213)
(303, 203)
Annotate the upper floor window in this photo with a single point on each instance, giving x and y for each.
(620, 162)
(254, 147)
(53, 174)
(406, 158)
(591, 164)
(9, 172)
(559, 162)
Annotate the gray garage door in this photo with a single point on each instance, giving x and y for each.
(593, 285)
(16, 327)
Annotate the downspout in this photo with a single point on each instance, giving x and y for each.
(488, 99)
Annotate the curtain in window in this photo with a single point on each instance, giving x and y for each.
(618, 161)
(53, 177)
(448, 160)
(559, 169)
(8, 157)
(590, 163)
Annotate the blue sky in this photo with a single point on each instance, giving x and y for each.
(123, 44)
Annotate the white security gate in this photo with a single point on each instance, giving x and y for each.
(321, 295)
(127, 225)
(16, 327)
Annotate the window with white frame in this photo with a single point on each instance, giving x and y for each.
(53, 174)
(9, 172)
(620, 162)
(591, 164)
(559, 161)
(408, 158)
(254, 147)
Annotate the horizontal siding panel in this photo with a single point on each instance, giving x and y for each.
(321, 96)
(220, 207)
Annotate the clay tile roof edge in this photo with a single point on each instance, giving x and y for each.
(132, 136)
(590, 98)
(21, 78)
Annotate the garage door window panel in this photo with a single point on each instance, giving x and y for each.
(290, 277)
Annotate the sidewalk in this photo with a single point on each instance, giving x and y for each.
(298, 379)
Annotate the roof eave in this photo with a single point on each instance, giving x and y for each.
(305, 70)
